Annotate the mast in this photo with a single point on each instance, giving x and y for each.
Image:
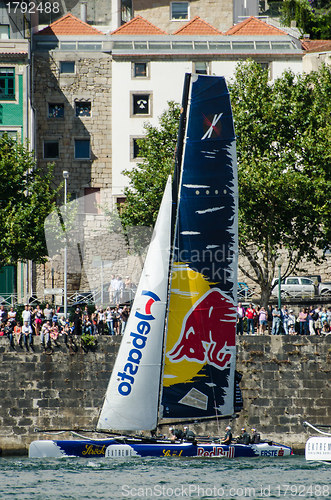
(175, 201)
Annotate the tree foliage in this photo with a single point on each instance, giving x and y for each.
(26, 198)
(312, 17)
(284, 165)
(148, 178)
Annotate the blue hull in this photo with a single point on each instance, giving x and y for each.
(112, 448)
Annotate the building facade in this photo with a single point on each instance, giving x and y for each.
(16, 118)
(93, 92)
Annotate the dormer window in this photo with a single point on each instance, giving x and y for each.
(179, 11)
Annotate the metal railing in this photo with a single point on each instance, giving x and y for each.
(78, 297)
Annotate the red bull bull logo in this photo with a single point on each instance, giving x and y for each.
(138, 344)
(208, 329)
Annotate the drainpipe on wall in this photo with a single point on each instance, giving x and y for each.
(83, 12)
(116, 14)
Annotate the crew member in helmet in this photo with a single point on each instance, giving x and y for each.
(175, 434)
(244, 438)
(228, 436)
(256, 438)
(188, 435)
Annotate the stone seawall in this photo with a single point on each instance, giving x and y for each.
(286, 380)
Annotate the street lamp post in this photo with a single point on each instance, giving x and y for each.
(279, 262)
(65, 174)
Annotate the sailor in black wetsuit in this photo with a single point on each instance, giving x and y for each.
(228, 436)
(188, 435)
(244, 438)
(175, 434)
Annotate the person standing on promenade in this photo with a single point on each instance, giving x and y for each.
(303, 321)
(48, 313)
(3, 314)
(263, 320)
(269, 319)
(250, 314)
(310, 320)
(317, 318)
(26, 315)
(291, 322)
(240, 318)
(77, 319)
(285, 318)
(38, 319)
(276, 321)
(110, 321)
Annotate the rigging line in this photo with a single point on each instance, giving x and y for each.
(215, 403)
(307, 424)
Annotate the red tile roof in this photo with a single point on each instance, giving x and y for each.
(138, 26)
(69, 25)
(254, 26)
(13, 55)
(197, 26)
(316, 45)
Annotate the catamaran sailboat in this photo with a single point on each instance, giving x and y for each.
(178, 353)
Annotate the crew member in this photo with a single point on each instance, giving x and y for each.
(175, 434)
(228, 436)
(188, 435)
(244, 438)
(256, 438)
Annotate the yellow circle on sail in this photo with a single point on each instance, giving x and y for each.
(187, 286)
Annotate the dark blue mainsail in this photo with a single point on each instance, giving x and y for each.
(200, 348)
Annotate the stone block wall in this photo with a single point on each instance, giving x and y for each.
(90, 83)
(218, 14)
(51, 392)
(286, 380)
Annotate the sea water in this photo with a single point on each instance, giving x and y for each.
(162, 478)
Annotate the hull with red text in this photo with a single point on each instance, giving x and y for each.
(113, 448)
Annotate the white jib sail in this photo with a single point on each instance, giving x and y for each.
(131, 401)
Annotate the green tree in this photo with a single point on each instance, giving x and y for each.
(284, 165)
(311, 16)
(26, 198)
(148, 178)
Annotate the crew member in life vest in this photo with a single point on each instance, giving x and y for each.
(256, 438)
(244, 438)
(188, 435)
(228, 436)
(175, 434)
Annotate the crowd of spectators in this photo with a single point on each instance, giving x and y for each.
(47, 325)
(274, 321)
